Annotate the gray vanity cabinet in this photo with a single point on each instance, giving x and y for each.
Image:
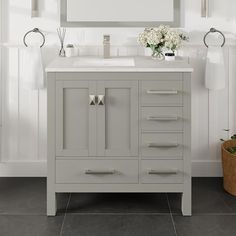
(119, 132)
(96, 118)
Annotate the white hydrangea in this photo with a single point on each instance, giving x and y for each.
(154, 37)
(161, 37)
(142, 39)
(172, 40)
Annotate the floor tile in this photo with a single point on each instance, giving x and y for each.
(117, 225)
(30, 225)
(230, 200)
(26, 196)
(214, 225)
(207, 197)
(118, 202)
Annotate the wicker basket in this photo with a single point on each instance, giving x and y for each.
(229, 167)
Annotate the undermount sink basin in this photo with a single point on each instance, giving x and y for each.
(101, 62)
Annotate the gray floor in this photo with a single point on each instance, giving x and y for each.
(23, 212)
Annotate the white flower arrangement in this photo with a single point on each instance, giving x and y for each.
(161, 38)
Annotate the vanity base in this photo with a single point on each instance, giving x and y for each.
(121, 188)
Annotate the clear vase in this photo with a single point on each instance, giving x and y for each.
(157, 55)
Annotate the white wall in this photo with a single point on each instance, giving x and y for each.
(24, 112)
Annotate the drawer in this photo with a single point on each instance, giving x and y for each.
(162, 93)
(160, 171)
(162, 118)
(159, 145)
(96, 171)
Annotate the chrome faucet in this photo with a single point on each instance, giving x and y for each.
(106, 46)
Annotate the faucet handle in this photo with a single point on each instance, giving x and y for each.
(106, 38)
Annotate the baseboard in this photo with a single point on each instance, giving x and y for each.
(206, 168)
(200, 168)
(23, 169)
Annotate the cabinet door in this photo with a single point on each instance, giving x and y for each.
(117, 118)
(75, 119)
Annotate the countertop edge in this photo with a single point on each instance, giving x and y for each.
(121, 70)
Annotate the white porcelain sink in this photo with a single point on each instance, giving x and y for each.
(101, 62)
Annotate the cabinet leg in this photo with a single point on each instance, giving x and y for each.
(187, 203)
(51, 204)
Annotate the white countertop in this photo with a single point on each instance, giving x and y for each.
(140, 64)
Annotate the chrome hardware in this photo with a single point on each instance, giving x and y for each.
(101, 100)
(35, 30)
(34, 8)
(163, 172)
(106, 46)
(162, 118)
(92, 100)
(163, 145)
(205, 8)
(100, 172)
(162, 92)
(213, 30)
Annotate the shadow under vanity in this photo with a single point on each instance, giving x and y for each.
(124, 126)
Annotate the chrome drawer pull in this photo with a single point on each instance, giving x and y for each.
(162, 92)
(100, 172)
(162, 118)
(163, 172)
(163, 145)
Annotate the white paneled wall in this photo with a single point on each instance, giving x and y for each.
(24, 111)
(210, 114)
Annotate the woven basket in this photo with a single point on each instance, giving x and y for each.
(229, 167)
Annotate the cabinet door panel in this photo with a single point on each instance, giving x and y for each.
(118, 119)
(75, 119)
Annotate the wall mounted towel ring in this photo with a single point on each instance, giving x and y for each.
(213, 30)
(35, 30)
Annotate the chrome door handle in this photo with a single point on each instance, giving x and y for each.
(162, 118)
(100, 172)
(163, 145)
(101, 100)
(162, 92)
(92, 100)
(163, 172)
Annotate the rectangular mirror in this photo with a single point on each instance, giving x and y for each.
(119, 13)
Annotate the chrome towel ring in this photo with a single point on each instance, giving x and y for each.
(35, 30)
(213, 30)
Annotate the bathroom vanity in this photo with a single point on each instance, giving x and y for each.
(119, 125)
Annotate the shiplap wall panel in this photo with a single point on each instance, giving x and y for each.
(28, 117)
(210, 114)
(10, 106)
(42, 125)
(199, 103)
(232, 89)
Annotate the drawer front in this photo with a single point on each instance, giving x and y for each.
(162, 118)
(97, 171)
(161, 145)
(160, 171)
(162, 93)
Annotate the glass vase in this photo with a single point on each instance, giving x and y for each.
(157, 55)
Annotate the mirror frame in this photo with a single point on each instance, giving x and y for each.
(64, 23)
